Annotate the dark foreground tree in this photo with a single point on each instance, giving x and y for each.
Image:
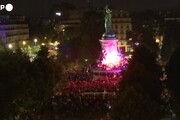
(91, 31)
(140, 90)
(171, 39)
(13, 81)
(144, 71)
(134, 104)
(173, 80)
(25, 85)
(82, 43)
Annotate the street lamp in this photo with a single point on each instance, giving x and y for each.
(10, 46)
(24, 42)
(43, 44)
(157, 40)
(35, 41)
(58, 13)
(63, 30)
(86, 60)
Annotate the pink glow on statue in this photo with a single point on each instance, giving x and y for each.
(111, 58)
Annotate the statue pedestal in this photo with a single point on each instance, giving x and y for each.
(109, 45)
(110, 36)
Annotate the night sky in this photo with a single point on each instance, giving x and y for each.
(34, 8)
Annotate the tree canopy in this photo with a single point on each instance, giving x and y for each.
(140, 88)
(173, 82)
(25, 85)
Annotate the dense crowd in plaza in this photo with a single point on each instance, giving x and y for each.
(98, 85)
(79, 105)
(81, 98)
(83, 95)
(80, 81)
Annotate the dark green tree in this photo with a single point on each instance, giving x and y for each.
(68, 49)
(43, 28)
(140, 87)
(49, 72)
(173, 80)
(171, 39)
(134, 104)
(92, 27)
(26, 85)
(14, 82)
(144, 28)
(82, 43)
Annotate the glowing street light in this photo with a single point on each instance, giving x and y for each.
(56, 48)
(43, 44)
(131, 50)
(24, 42)
(136, 43)
(86, 60)
(35, 41)
(157, 40)
(10, 46)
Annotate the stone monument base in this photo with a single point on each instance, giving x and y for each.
(108, 36)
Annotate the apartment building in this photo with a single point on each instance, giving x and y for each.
(13, 29)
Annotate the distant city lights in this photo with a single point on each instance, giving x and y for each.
(130, 39)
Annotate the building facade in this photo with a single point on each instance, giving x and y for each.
(13, 29)
(122, 24)
(70, 18)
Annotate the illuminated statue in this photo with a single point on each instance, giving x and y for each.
(111, 61)
(108, 23)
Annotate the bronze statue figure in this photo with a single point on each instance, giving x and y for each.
(108, 23)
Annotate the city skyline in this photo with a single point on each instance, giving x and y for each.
(36, 8)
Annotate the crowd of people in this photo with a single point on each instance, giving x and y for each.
(98, 85)
(83, 98)
(79, 105)
(79, 75)
(83, 81)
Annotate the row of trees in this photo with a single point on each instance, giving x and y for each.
(24, 85)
